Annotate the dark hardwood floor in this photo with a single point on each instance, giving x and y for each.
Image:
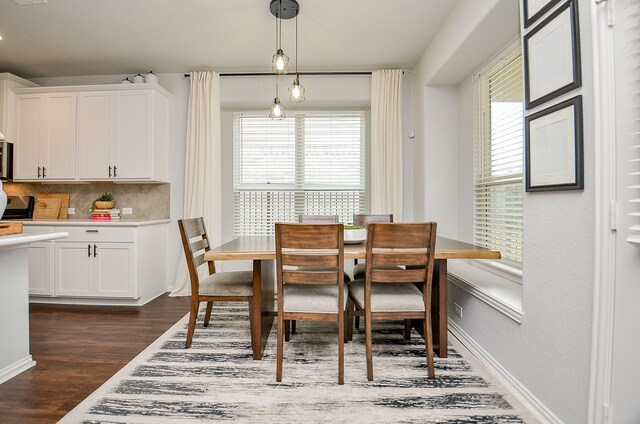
(77, 348)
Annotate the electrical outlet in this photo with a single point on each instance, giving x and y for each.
(71, 211)
(458, 309)
(127, 211)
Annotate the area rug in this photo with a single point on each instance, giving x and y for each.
(216, 380)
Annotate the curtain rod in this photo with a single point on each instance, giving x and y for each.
(261, 74)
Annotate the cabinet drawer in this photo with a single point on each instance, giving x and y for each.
(99, 234)
(36, 229)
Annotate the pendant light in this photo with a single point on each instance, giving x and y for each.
(296, 90)
(280, 61)
(276, 110)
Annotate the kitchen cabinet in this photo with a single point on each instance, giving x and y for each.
(45, 137)
(99, 263)
(8, 83)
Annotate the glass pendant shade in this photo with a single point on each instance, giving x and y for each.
(296, 91)
(276, 110)
(280, 62)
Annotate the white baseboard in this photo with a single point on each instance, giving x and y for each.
(505, 378)
(16, 368)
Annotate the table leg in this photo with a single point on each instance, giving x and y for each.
(263, 295)
(439, 308)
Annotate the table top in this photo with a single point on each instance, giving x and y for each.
(263, 247)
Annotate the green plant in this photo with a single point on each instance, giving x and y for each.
(353, 227)
(106, 197)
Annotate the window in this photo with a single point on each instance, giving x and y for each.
(308, 163)
(498, 157)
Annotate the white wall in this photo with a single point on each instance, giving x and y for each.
(549, 352)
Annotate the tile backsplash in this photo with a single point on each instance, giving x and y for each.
(148, 201)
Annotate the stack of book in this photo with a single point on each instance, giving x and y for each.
(105, 214)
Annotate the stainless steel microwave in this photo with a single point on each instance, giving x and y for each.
(6, 161)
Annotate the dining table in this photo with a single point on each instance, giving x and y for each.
(262, 252)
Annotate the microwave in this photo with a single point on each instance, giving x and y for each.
(6, 161)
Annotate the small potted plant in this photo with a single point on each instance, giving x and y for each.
(354, 234)
(105, 201)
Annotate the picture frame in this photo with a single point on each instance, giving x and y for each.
(534, 9)
(551, 54)
(554, 148)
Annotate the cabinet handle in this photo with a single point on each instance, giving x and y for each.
(115, 171)
(95, 250)
(38, 172)
(91, 231)
(88, 250)
(44, 172)
(109, 172)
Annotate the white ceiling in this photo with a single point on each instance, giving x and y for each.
(100, 37)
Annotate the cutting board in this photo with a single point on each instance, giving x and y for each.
(64, 202)
(10, 228)
(46, 209)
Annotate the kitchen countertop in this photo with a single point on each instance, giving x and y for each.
(15, 240)
(91, 222)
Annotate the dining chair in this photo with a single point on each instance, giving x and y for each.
(363, 220)
(236, 286)
(391, 293)
(310, 276)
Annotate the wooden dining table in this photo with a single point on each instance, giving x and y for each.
(261, 250)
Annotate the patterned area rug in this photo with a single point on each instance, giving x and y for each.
(216, 380)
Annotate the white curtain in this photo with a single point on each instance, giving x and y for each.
(386, 143)
(202, 168)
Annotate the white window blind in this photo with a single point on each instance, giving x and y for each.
(631, 34)
(498, 157)
(310, 163)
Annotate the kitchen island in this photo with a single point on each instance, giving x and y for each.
(14, 301)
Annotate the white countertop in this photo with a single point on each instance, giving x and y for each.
(17, 240)
(91, 222)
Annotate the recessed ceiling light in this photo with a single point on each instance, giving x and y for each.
(1, 38)
(25, 2)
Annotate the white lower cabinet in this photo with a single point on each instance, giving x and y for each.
(94, 269)
(100, 265)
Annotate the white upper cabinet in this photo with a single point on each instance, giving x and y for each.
(8, 83)
(45, 137)
(121, 133)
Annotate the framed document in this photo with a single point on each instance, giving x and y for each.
(553, 148)
(533, 9)
(552, 57)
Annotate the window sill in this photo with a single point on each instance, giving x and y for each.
(501, 293)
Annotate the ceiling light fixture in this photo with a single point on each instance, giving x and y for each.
(296, 90)
(276, 110)
(281, 9)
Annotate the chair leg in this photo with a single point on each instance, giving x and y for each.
(287, 330)
(358, 321)
(347, 321)
(341, 337)
(407, 329)
(251, 323)
(293, 326)
(367, 336)
(280, 347)
(207, 314)
(193, 315)
(428, 335)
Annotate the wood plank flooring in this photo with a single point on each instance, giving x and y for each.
(77, 348)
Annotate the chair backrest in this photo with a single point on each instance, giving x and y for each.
(401, 253)
(320, 247)
(363, 220)
(318, 219)
(195, 243)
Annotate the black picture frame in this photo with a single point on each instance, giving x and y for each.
(528, 20)
(533, 163)
(574, 79)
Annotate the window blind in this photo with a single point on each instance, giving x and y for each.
(631, 34)
(498, 158)
(312, 163)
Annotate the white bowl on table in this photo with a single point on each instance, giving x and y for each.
(355, 235)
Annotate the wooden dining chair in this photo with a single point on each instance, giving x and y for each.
(310, 275)
(363, 220)
(236, 286)
(391, 293)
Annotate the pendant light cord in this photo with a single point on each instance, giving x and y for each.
(296, 46)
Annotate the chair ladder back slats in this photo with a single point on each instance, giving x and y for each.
(410, 235)
(310, 277)
(198, 245)
(310, 236)
(310, 260)
(318, 219)
(363, 220)
(399, 259)
(193, 227)
(198, 260)
(398, 275)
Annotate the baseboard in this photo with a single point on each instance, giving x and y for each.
(505, 378)
(16, 368)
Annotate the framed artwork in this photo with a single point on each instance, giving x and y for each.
(552, 57)
(553, 148)
(533, 9)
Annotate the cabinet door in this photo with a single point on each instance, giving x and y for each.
(73, 269)
(40, 268)
(114, 270)
(96, 133)
(28, 135)
(132, 153)
(59, 148)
